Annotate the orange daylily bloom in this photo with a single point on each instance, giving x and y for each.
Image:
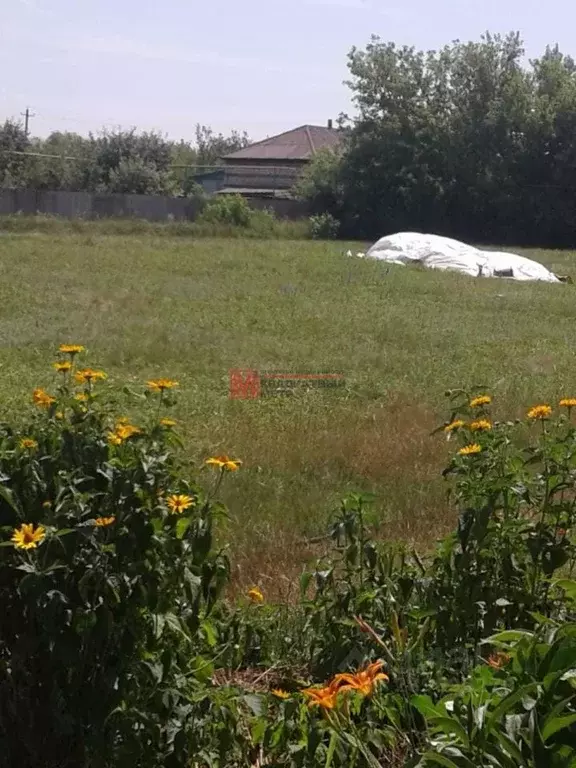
(326, 697)
(498, 660)
(364, 680)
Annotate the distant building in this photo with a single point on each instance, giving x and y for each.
(270, 168)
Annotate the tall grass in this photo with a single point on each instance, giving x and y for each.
(261, 225)
(157, 303)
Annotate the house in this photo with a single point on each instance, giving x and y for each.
(269, 168)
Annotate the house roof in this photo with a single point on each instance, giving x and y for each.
(298, 144)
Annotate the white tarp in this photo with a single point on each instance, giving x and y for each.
(438, 252)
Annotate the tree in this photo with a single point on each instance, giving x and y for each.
(13, 140)
(212, 146)
(65, 164)
(464, 141)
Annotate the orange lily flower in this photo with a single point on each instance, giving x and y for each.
(364, 680)
(326, 698)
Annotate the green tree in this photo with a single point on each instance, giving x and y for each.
(13, 139)
(212, 146)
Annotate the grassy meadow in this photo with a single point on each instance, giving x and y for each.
(155, 305)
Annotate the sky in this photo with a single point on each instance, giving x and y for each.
(263, 66)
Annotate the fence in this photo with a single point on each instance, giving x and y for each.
(88, 205)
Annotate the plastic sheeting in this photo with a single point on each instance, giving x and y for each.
(437, 252)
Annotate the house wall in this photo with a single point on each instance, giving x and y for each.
(262, 174)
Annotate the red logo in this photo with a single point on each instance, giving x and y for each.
(244, 385)
(251, 384)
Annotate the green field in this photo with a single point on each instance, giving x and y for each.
(189, 309)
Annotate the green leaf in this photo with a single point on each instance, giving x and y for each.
(509, 746)
(259, 730)
(159, 624)
(209, 633)
(176, 626)
(255, 702)
(568, 585)
(439, 759)
(451, 727)
(331, 749)
(555, 724)
(426, 706)
(508, 636)
(182, 526)
(507, 703)
(8, 496)
(63, 532)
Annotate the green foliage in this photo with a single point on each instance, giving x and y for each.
(323, 226)
(111, 161)
(517, 712)
(135, 176)
(117, 647)
(479, 642)
(13, 140)
(320, 184)
(511, 126)
(231, 210)
(234, 211)
(262, 225)
(211, 147)
(105, 613)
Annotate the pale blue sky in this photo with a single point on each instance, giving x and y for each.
(260, 65)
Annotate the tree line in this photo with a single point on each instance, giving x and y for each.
(110, 161)
(469, 141)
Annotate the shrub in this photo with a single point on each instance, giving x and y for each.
(107, 581)
(324, 226)
(232, 210)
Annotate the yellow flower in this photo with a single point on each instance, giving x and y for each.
(454, 425)
(102, 522)
(124, 431)
(59, 414)
(62, 367)
(255, 595)
(177, 503)
(71, 349)
(568, 402)
(364, 680)
(47, 504)
(539, 412)
(159, 385)
(168, 422)
(476, 402)
(224, 463)
(480, 424)
(88, 375)
(468, 450)
(280, 694)
(28, 443)
(26, 537)
(82, 397)
(42, 398)
(114, 438)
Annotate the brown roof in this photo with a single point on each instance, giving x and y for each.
(298, 144)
